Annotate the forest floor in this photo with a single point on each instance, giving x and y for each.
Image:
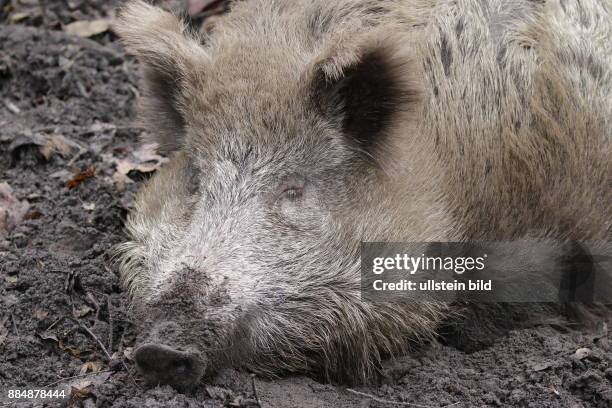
(70, 163)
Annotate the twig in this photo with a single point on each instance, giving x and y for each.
(125, 367)
(54, 323)
(108, 356)
(12, 107)
(95, 304)
(76, 157)
(106, 351)
(255, 391)
(384, 401)
(120, 346)
(43, 11)
(110, 323)
(15, 325)
(76, 376)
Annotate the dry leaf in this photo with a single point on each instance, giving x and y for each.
(3, 330)
(89, 206)
(58, 144)
(45, 144)
(12, 107)
(541, 366)
(219, 393)
(32, 215)
(81, 176)
(12, 210)
(77, 393)
(11, 279)
(143, 160)
(127, 353)
(90, 367)
(582, 353)
(73, 351)
(63, 175)
(89, 403)
(8, 300)
(82, 388)
(82, 311)
(40, 314)
(48, 336)
(17, 17)
(88, 28)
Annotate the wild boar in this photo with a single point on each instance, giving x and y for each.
(298, 129)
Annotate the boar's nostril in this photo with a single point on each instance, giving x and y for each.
(161, 364)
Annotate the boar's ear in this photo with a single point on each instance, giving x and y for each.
(171, 59)
(368, 86)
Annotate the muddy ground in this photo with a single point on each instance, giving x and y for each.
(70, 162)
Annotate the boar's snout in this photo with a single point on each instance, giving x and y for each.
(162, 364)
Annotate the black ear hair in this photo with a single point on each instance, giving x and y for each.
(160, 112)
(170, 56)
(366, 92)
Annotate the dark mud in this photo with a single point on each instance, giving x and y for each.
(70, 156)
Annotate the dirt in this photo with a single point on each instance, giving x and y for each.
(71, 161)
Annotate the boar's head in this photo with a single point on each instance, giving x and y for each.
(286, 151)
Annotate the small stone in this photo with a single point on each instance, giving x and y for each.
(582, 353)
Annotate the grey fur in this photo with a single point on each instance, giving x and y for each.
(498, 129)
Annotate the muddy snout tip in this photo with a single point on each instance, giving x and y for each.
(161, 364)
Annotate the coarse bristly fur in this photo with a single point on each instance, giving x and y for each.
(298, 129)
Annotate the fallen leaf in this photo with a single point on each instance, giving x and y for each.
(3, 330)
(63, 174)
(16, 17)
(8, 301)
(541, 366)
(90, 367)
(89, 403)
(12, 210)
(40, 314)
(582, 353)
(73, 351)
(44, 144)
(127, 353)
(11, 279)
(80, 177)
(89, 206)
(81, 388)
(12, 107)
(602, 329)
(144, 160)
(58, 144)
(32, 215)
(82, 311)
(87, 28)
(79, 393)
(6, 137)
(219, 394)
(100, 127)
(25, 141)
(48, 336)
(147, 152)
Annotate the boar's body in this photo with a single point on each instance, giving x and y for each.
(298, 129)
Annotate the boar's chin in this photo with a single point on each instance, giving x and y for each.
(334, 336)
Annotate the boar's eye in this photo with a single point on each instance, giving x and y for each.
(292, 188)
(296, 204)
(293, 193)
